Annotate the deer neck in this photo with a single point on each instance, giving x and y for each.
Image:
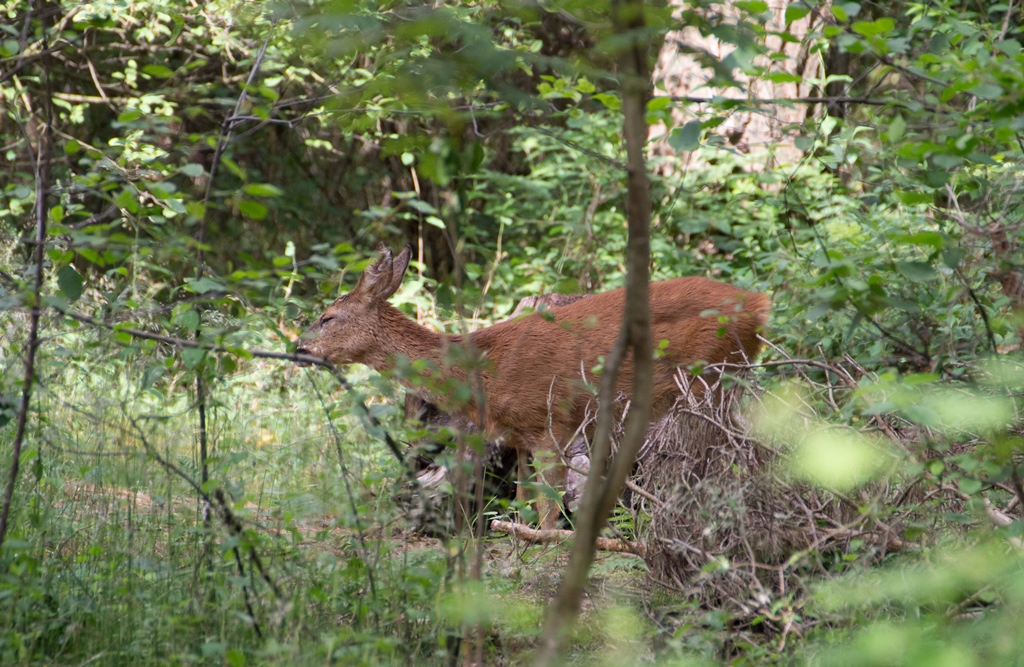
(400, 336)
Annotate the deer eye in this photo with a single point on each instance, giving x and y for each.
(326, 318)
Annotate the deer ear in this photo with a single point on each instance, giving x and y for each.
(389, 283)
(376, 280)
(399, 267)
(383, 278)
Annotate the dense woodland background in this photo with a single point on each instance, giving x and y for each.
(217, 172)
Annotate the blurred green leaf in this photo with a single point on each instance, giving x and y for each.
(687, 137)
(263, 190)
(837, 459)
(253, 209)
(70, 282)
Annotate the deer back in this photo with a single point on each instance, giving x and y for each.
(544, 364)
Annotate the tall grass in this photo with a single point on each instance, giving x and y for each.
(115, 558)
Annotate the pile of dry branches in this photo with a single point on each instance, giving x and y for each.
(728, 525)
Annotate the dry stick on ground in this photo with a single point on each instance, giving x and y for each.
(601, 494)
(43, 152)
(539, 536)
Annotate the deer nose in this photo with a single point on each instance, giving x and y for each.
(302, 349)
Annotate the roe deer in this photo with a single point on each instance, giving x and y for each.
(539, 369)
(500, 460)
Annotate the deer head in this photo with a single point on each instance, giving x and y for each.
(350, 330)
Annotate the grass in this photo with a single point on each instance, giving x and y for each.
(111, 558)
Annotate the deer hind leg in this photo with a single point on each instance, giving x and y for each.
(550, 476)
(523, 476)
(550, 509)
(546, 471)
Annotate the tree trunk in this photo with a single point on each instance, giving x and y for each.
(601, 491)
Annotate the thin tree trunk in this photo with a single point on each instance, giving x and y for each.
(44, 150)
(601, 492)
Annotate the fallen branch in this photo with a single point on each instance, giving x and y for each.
(538, 536)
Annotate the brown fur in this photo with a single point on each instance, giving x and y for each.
(538, 366)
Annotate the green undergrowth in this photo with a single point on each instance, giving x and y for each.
(113, 558)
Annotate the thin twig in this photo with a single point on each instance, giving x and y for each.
(376, 428)
(360, 533)
(227, 130)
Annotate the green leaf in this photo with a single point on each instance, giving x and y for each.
(188, 320)
(435, 221)
(687, 137)
(987, 91)
(1010, 47)
(421, 206)
(659, 103)
(795, 13)
(204, 285)
(873, 28)
(10, 48)
(58, 256)
(918, 379)
(192, 170)
(263, 190)
(70, 283)
(837, 459)
(753, 6)
(952, 257)
(610, 101)
(585, 86)
(896, 128)
(233, 167)
(196, 209)
(970, 486)
(916, 271)
(161, 189)
(192, 356)
(150, 376)
(913, 197)
(71, 146)
(159, 71)
(784, 77)
(933, 239)
(803, 143)
(253, 209)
